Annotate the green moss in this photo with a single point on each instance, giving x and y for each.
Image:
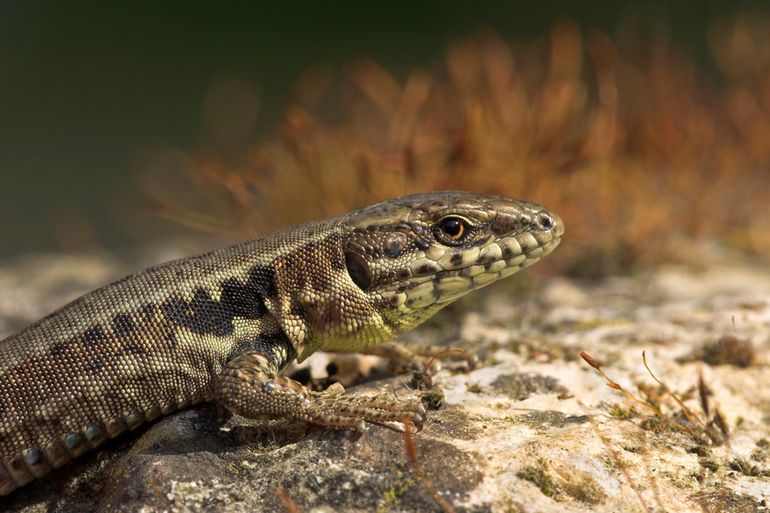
(402, 484)
(519, 386)
(747, 469)
(539, 477)
(728, 350)
(473, 388)
(619, 412)
(549, 418)
(577, 485)
(585, 489)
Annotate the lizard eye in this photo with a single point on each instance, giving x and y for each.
(451, 229)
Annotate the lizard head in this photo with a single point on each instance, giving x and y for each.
(419, 253)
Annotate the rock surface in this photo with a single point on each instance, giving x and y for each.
(533, 429)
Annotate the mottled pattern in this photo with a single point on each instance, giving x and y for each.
(225, 324)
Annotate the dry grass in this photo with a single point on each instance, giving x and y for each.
(639, 150)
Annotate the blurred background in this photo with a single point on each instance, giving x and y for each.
(645, 125)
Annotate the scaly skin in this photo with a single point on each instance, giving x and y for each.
(224, 325)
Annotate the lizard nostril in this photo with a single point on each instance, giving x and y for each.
(545, 221)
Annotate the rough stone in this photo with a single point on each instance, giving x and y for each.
(533, 428)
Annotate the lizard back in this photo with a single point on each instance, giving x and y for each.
(135, 349)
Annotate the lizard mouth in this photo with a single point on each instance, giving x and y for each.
(455, 275)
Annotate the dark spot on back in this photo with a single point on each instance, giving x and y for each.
(242, 300)
(262, 279)
(133, 348)
(148, 311)
(95, 366)
(202, 315)
(176, 311)
(58, 348)
(123, 324)
(94, 335)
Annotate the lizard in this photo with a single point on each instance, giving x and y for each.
(224, 325)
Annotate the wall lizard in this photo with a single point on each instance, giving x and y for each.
(224, 325)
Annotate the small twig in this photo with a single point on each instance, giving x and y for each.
(615, 386)
(703, 393)
(722, 424)
(286, 501)
(687, 412)
(440, 354)
(411, 452)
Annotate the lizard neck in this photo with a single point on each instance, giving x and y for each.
(317, 303)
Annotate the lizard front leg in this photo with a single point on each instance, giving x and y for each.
(250, 386)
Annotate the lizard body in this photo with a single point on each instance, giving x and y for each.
(225, 324)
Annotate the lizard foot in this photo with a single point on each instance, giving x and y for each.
(250, 387)
(333, 408)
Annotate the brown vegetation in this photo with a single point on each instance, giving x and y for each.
(640, 150)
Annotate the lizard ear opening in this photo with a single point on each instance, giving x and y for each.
(358, 270)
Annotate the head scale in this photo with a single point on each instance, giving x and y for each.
(415, 255)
